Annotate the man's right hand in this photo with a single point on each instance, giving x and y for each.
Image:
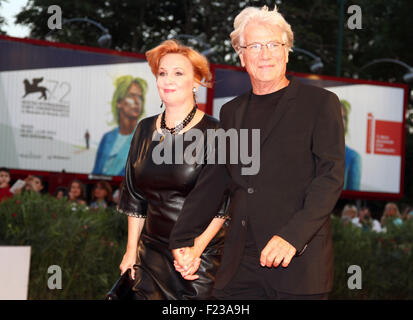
(128, 261)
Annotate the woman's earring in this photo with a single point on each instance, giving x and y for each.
(193, 92)
(161, 104)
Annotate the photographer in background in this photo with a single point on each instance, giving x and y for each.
(31, 183)
(366, 222)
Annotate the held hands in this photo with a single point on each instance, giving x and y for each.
(187, 261)
(277, 250)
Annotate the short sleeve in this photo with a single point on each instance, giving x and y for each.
(131, 201)
(223, 211)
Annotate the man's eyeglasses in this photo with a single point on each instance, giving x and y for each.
(256, 47)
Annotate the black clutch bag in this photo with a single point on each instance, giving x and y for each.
(122, 288)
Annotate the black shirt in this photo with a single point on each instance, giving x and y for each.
(259, 110)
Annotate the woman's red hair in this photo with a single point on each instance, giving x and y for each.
(199, 62)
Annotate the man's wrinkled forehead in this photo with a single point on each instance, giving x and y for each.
(257, 29)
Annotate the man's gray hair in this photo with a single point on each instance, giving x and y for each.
(260, 15)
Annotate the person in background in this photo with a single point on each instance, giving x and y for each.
(33, 183)
(391, 213)
(77, 192)
(349, 213)
(366, 222)
(127, 107)
(101, 195)
(61, 192)
(4, 184)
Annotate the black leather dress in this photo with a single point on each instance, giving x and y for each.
(157, 192)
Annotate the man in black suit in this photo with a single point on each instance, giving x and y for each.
(279, 243)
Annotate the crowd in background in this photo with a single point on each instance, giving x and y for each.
(102, 194)
(362, 217)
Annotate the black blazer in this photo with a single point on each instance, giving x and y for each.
(300, 179)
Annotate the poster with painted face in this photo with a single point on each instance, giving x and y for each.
(80, 119)
(373, 120)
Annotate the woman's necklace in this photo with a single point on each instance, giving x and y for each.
(178, 128)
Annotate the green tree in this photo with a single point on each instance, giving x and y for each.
(2, 20)
(138, 25)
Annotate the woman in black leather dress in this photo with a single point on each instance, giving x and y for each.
(152, 195)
